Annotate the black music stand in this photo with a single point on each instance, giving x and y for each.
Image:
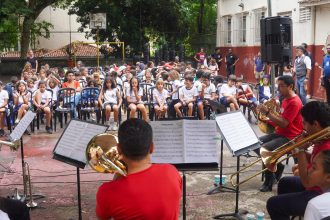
(70, 147)
(231, 124)
(220, 188)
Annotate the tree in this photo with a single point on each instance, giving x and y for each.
(28, 10)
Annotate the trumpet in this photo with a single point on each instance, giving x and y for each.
(14, 145)
(102, 155)
(271, 158)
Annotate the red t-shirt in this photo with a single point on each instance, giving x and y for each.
(201, 57)
(290, 111)
(152, 194)
(76, 84)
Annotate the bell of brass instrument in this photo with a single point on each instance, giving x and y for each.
(262, 119)
(102, 154)
(271, 158)
(14, 145)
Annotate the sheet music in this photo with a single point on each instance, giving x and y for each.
(236, 131)
(200, 141)
(184, 141)
(22, 126)
(168, 140)
(75, 139)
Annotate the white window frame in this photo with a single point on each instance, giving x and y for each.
(305, 14)
(258, 14)
(241, 31)
(226, 32)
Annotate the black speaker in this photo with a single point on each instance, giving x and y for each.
(276, 39)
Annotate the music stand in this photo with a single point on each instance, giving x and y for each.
(17, 134)
(71, 146)
(230, 124)
(183, 149)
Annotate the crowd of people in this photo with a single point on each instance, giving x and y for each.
(176, 89)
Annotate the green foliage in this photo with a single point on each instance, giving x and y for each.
(40, 29)
(9, 33)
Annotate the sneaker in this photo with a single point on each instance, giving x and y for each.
(115, 127)
(17, 121)
(49, 130)
(2, 132)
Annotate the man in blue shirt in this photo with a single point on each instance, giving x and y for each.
(326, 73)
(258, 67)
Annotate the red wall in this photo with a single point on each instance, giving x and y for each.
(246, 61)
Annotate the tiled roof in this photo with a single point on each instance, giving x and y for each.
(313, 2)
(81, 50)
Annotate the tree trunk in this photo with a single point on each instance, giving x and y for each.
(26, 35)
(200, 16)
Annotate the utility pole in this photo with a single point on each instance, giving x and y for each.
(272, 66)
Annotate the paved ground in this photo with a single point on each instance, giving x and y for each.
(57, 182)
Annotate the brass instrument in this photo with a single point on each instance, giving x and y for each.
(14, 145)
(27, 180)
(262, 119)
(102, 154)
(271, 158)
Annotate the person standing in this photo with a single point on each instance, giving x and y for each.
(32, 60)
(218, 57)
(325, 73)
(200, 57)
(302, 68)
(231, 60)
(288, 124)
(259, 68)
(149, 191)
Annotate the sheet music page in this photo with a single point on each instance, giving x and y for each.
(22, 126)
(168, 140)
(75, 139)
(236, 130)
(200, 141)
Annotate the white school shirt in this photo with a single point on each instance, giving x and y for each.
(3, 95)
(207, 91)
(267, 91)
(110, 96)
(161, 95)
(55, 90)
(188, 94)
(176, 83)
(46, 95)
(197, 83)
(225, 89)
(132, 95)
(318, 207)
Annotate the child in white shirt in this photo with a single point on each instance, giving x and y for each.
(228, 94)
(159, 96)
(3, 104)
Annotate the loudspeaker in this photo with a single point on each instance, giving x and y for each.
(276, 39)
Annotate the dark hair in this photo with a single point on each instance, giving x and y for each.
(316, 111)
(90, 82)
(69, 71)
(326, 160)
(107, 79)
(41, 82)
(130, 84)
(135, 138)
(218, 79)
(304, 45)
(288, 80)
(206, 76)
(199, 74)
(114, 74)
(189, 78)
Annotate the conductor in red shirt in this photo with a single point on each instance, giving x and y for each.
(149, 191)
(288, 124)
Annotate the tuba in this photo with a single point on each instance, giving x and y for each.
(102, 155)
(263, 119)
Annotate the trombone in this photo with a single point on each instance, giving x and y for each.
(271, 158)
(14, 145)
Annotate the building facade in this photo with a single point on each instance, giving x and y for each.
(238, 27)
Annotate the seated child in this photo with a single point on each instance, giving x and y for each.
(159, 97)
(187, 95)
(41, 101)
(245, 94)
(265, 91)
(110, 100)
(206, 92)
(3, 104)
(133, 95)
(228, 94)
(21, 100)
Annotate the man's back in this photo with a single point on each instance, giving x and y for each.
(153, 193)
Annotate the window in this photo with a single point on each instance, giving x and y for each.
(226, 29)
(242, 28)
(258, 15)
(304, 14)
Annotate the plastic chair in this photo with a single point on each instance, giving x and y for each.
(39, 115)
(88, 103)
(65, 104)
